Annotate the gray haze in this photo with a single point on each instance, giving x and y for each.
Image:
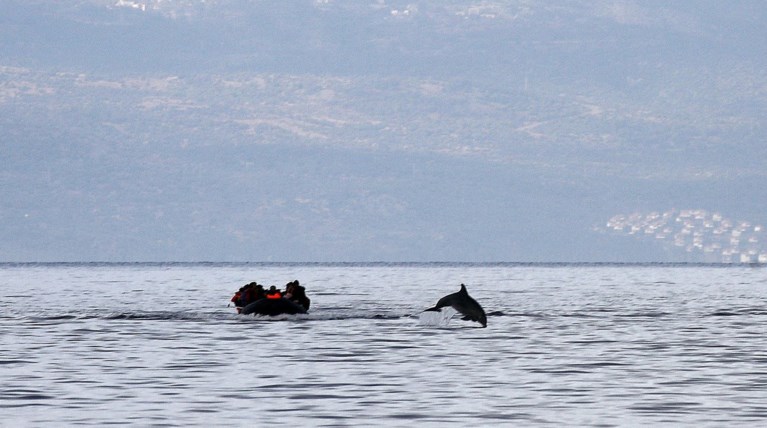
(373, 130)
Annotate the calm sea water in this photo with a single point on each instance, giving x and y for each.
(567, 345)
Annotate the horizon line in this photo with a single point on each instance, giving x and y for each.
(381, 263)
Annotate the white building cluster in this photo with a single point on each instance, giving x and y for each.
(711, 236)
(131, 4)
(170, 8)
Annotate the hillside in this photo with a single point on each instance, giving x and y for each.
(358, 131)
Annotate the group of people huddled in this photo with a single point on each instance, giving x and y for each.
(252, 292)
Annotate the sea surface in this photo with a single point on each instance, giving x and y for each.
(566, 345)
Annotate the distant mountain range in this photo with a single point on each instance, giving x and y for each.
(376, 130)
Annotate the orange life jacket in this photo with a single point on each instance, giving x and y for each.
(276, 295)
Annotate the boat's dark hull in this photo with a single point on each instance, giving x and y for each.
(273, 307)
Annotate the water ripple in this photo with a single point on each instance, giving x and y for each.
(564, 346)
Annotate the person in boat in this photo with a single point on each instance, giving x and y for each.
(255, 293)
(295, 292)
(238, 295)
(273, 293)
(247, 294)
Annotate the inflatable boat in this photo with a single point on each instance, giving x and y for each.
(272, 307)
(252, 298)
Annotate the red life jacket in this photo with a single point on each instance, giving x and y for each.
(276, 295)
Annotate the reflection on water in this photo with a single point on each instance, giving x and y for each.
(564, 345)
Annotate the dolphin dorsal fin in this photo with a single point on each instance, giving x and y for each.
(463, 289)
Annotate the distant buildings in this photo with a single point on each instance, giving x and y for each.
(699, 235)
(131, 4)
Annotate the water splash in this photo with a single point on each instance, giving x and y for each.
(436, 318)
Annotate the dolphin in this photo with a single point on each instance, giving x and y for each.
(463, 303)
